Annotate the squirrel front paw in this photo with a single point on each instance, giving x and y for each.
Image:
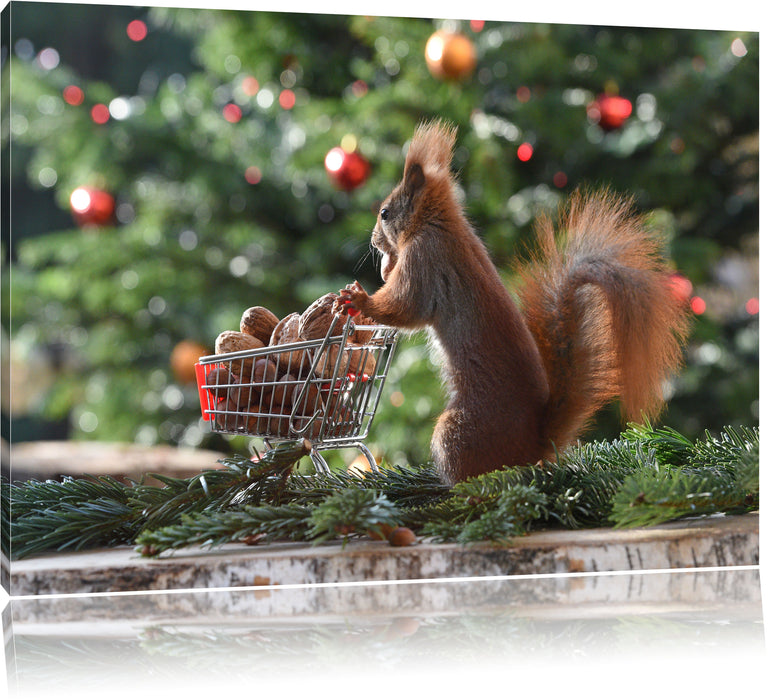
(351, 299)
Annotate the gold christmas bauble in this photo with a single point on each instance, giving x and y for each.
(183, 358)
(450, 55)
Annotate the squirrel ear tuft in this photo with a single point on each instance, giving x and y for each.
(431, 146)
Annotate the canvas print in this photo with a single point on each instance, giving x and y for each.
(364, 348)
(315, 298)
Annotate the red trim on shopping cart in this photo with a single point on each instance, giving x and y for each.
(205, 397)
(350, 378)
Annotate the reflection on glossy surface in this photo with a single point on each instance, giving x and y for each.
(384, 640)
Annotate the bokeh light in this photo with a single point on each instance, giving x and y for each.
(287, 99)
(435, 48)
(73, 95)
(100, 114)
(232, 113)
(80, 200)
(250, 86)
(48, 58)
(525, 152)
(137, 30)
(359, 88)
(335, 158)
(120, 108)
(253, 175)
(698, 306)
(681, 287)
(738, 48)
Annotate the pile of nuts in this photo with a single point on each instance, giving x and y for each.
(271, 393)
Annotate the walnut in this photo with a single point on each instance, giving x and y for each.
(278, 398)
(355, 359)
(363, 335)
(258, 322)
(315, 319)
(232, 341)
(264, 370)
(287, 331)
(217, 381)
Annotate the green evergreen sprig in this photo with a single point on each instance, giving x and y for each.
(476, 511)
(250, 524)
(645, 477)
(88, 512)
(98, 522)
(721, 475)
(217, 488)
(352, 511)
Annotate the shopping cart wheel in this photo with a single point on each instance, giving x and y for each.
(369, 458)
(321, 467)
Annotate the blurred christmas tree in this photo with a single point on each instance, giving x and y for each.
(172, 167)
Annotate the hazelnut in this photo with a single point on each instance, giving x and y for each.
(401, 537)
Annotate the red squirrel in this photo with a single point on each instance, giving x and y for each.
(596, 318)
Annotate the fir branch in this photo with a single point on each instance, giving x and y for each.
(404, 486)
(649, 499)
(72, 514)
(218, 488)
(647, 476)
(408, 486)
(101, 522)
(724, 453)
(670, 446)
(588, 475)
(34, 496)
(476, 513)
(722, 475)
(353, 511)
(213, 528)
(80, 513)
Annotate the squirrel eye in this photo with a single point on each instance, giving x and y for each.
(384, 213)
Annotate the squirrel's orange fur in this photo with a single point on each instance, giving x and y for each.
(597, 319)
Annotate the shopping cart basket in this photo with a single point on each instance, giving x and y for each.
(324, 390)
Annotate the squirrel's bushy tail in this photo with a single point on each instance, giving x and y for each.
(597, 301)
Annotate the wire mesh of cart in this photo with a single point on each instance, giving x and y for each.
(325, 390)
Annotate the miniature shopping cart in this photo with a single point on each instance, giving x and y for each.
(324, 390)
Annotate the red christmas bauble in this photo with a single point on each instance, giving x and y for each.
(347, 169)
(609, 111)
(92, 207)
(450, 55)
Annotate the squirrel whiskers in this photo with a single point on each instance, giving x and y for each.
(596, 317)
